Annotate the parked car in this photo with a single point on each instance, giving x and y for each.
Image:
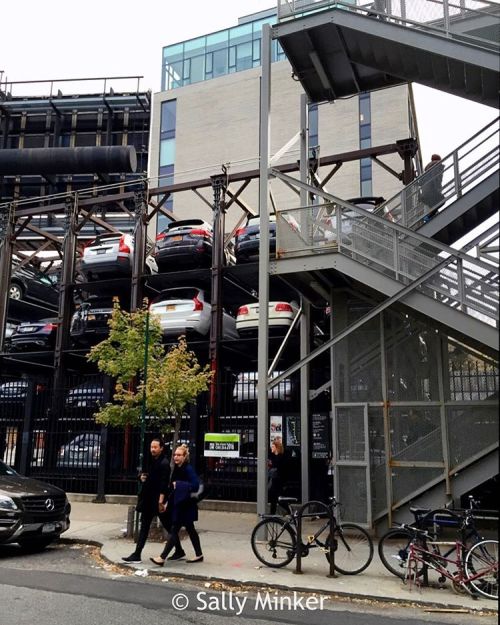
(247, 240)
(111, 254)
(13, 391)
(9, 331)
(89, 323)
(31, 284)
(328, 233)
(245, 388)
(82, 452)
(185, 310)
(32, 513)
(187, 242)
(86, 395)
(31, 335)
(280, 316)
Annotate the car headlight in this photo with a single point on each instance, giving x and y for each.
(7, 503)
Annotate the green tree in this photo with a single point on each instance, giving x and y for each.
(175, 377)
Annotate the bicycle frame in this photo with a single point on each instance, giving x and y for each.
(438, 562)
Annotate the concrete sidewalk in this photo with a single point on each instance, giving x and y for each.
(225, 538)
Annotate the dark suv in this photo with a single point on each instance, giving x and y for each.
(29, 283)
(89, 324)
(32, 513)
(247, 240)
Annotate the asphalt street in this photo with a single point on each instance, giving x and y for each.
(71, 584)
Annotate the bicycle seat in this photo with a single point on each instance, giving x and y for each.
(420, 510)
(287, 499)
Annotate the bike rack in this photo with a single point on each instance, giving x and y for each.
(300, 545)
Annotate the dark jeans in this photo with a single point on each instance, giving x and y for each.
(174, 539)
(147, 517)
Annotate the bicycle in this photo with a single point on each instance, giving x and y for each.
(352, 543)
(476, 568)
(393, 546)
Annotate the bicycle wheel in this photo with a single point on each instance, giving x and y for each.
(274, 542)
(353, 550)
(393, 550)
(481, 568)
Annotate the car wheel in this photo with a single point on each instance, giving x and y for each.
(33, 545)
(16, 291)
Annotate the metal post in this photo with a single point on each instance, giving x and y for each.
(139, 249)
(386, 417)
(26, 438)
(6, 238)
(304, 400)
(219, 184)
(263, 334)
(446, 16)
(143, 403)
(331, 527)
(101, 471)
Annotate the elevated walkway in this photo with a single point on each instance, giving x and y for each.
(338, 49)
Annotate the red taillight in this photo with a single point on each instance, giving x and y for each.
(281, 307)
(160, 236)
(50, 326)
(243, 310)
(240, 232)
(199, 232)
(123, 247)
(198, 305)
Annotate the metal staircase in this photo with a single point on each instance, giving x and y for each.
(450, 286)
(338, 49)
(469, 191)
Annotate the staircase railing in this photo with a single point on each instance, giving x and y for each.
(438, 16)
(456, 279)
(463, 169)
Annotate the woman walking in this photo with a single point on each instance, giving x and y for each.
(181, 505)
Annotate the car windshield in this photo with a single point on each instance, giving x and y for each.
(6, 470)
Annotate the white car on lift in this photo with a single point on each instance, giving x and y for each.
(245, 388)
(280, 316)
(111, 254)
(186, 310)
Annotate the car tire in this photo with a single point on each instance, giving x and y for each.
(33, 545)
(16, 291)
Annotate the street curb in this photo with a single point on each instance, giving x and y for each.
(419, 603)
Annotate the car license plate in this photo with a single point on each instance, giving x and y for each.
(48, 528)
(27, 329)
(101, 251)
(170, 306)
(178, 237)
(91, 317)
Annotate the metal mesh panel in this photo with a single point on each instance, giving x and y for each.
(351, 434)
(406, 480)
(352, 493)
(377, 459)
(416, 434)
(471, 429)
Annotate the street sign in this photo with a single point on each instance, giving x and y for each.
(222, 445)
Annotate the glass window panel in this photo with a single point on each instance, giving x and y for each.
(220, 62)
(186, 73)
(364, 109)
(209, 57)
(256, 50)
(257, 25)
(167, 152)
(244, 54)
(365, 143)
(217, 41)
(366, 187)
(174, 73)
(240, 33)
(173, 53)
(365, 131)
(168, 119)
(197, 68)
(194, 45)
(232, 56)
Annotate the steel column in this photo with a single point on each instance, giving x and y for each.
(304, 400)
(263, 334)
(139, 249)
(6, 238)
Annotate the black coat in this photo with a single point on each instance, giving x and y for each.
(157, 482)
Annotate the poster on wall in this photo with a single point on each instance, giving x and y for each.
(275, 428)
(221, 445)
(320, 438)
(292, 431)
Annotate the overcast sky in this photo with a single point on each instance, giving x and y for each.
(55, 39)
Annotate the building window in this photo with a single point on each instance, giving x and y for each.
(365, 141)
(224, 52)
(167, 150)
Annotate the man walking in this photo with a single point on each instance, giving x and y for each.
(153, 494)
